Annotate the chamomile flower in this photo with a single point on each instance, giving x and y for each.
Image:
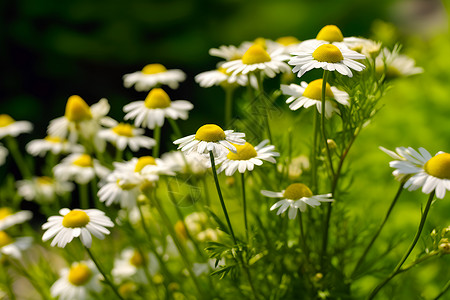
(53, 144)
(256, 58)
(246, 157)
(77, 282)
(220, 77)
(10, 127)
(193, 164)
(123, 135)
(155, 108)
(3, 154)
(13, 247)
(432, 173)
(289, 44)
(211, 137)
(228, 52)
(76, 223)
(79, 167)
(296, 196)
(131, 265)
(368, 48)
(43, 189)
(394, 65)
(153, 75)
(331, 57)
(9, 218)
(306, 95)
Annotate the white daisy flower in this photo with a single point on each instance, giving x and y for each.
(10, 127)
(130, 266)
(246, 157)
(193, 163)
(3, 154)
(43, 189)
(211, 137)
(432, 173)
(123, 135)
(13, 247)
(196, 222)
(368, 48)
(76, 223)
(296, 196)
(220, 77)
(257, 58)
(9, 218)
(306, 95)
(289, 44)
(54, 144)
(80, 119)
(79, 167)
(77, 282)
(394, 65)
(228, 52)
(156, 107)
(153, 75)
(331, 57)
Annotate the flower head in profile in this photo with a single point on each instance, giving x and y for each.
(296, 196)
(131, 265)
(79, 281)
(192, 164)
(153, 75)
(420, 169)
(79, 167)
(289, 44)
(53, 144)
(76, 223)
(394, 65)
(211, 137)
(368, 48)
(246, 157)
(228, 53)
(10, 218)
(10, 127)
(122, 135)
(43, 189)
(13, 247)
(221, 77)
(306, 95)
(155, 108)
(3, 154)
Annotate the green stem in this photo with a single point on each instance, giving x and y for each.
(119, 155)
(105, 277)
(84, 195)
(314, 153)
(303, 237)
(157, 137)
(444, 290)
(42, 291)
(369, 246)
(322, 121)
(244, 201)
(229, 91)
(260, 78)
(224, 208)
(419, 260)
(408, 252)
(175, 128)
(11, 143)
(8, 283)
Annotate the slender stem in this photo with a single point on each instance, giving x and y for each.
(206, 191)
(105, 277)
(119, 155)
(314, 153)
(408, 252)
(244, 201)
(444, 290)
(8, 283)
(369, 246)
(19, 267)
(84, 195)
(11, 143)
(322, 121)
(419, 260)
(229, 91)
(303, 237)
(250, 281)
(260, 78)
(224, 208)
(175, 127)
(157, 137)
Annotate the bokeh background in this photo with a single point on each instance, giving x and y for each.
(52, 49)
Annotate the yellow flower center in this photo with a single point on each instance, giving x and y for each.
(123, 129)
(439, 166)
(153, 69)
(44, 180)
(127, 289)
(144, 161)
(255, 55)
(223, 70)
(5, 212)
(287, 40)
(314, 90)
(137, 260)
(157, 98)
(390, 72)
(210, 133)
(53, 139)
(296, 191)
(243, 152)
(260, 41)
(328, 53)
(5, 239)
(125, 186)
(5, 120)
(330, 33)
(79, 274)
(77, 109)
(75, 218)
(84, 160)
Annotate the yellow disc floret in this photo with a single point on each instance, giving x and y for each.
(314, 90)
(439, 166)
(255, 55)
(243, 152)
(5, 212)
(296, 191)
(5, 120)
(144, 161)
(75, 219)
(287, 40)
(5, 239)
(330, 33)
(79, 274)
(127, 289)
(210, 133)
(77, 109)
(328, 53)
(54, 139)
(84, 160)
(123, 129)
(137, 260)
(260, 41)
(157, 98)
(153, 69)
(44, 180)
